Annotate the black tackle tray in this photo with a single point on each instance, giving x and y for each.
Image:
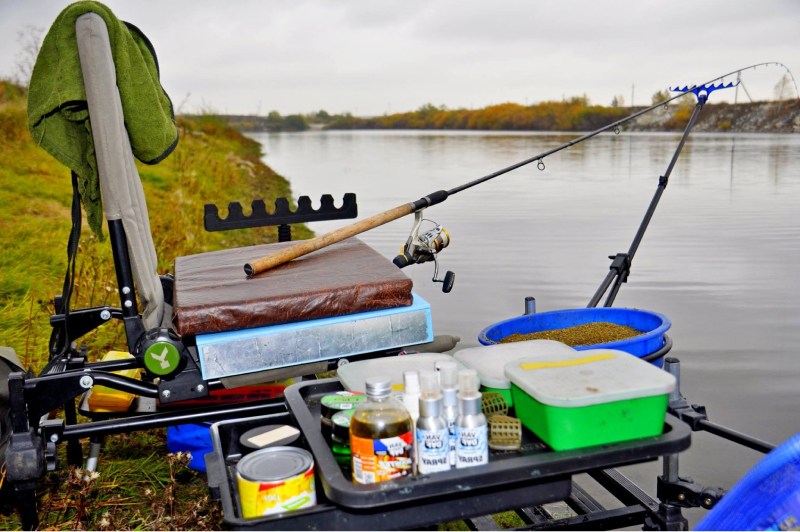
(534, 462)
(223, 484)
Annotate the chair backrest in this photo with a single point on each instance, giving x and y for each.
(123, 197)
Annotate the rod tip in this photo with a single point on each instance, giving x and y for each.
(248, 269)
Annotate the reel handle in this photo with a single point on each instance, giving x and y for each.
(448, 281)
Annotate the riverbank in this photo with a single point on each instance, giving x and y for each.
(139, 486)
(577, 115)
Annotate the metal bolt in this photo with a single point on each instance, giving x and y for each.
(199, 388)
(106, 315)
(707, 502)
(54, 438)
(129, 303)
(165, 394)
(681, 497)
(126, 290)
(86, 382)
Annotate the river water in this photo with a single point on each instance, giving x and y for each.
(720, 257)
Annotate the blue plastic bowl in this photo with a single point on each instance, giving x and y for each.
(652, 323)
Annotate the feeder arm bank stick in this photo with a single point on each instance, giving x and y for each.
(308, 246)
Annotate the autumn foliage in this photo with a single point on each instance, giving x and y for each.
(574, 114)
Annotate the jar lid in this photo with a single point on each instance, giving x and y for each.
(341, 424)
(266, 436)
(339, 401)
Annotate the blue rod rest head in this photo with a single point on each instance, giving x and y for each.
(702, 91)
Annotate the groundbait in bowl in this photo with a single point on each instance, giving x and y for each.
(652, 324)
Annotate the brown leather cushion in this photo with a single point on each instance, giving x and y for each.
(213, 294)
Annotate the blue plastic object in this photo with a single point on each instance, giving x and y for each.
(192, 438)
(767, 497)
(704, 91)
(653, 323)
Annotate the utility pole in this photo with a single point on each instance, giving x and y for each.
(632, 86)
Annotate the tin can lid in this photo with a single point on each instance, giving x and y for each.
(274, 464)
(244, 439)
(341, 424)
(336, 402)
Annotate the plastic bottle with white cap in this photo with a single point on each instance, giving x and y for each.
(448, 378)
(432, 436)
(472, 441)
(411, 393)
(410, 400)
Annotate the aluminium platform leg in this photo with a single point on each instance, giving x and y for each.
(95, 444)
(670, 517)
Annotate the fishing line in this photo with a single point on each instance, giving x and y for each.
(425, 247)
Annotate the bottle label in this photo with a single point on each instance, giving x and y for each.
(451, 429)
(433, 450)
(343, 400)
(380, 460)
(472, 446)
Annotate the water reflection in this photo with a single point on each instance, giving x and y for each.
(720, 257)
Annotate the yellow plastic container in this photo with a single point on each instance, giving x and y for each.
(105, 399)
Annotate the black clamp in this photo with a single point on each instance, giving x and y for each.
(686, 493)
(663, 181)
(621, 262)
(692, 415)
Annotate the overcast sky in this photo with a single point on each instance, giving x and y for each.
(372, 57)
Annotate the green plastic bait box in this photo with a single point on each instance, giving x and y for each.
(592, 397)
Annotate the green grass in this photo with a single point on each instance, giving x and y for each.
(140, 486)
(212, 163)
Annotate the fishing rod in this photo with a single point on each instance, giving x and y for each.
(424, 248)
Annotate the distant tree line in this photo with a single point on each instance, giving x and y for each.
(573, 114)
(273, 122)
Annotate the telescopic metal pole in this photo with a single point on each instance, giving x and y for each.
(621, 265)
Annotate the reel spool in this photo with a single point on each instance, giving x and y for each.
(425, 247)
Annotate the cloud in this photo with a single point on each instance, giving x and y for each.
(370, 57)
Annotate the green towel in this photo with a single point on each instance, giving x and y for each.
(58, 116)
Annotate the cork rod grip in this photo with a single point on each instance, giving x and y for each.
(304, 248)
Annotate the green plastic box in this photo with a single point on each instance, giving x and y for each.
(589, 397)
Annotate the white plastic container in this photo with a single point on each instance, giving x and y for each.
(590, 397)
(354, 375)
(489, 360)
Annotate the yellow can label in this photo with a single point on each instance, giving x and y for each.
(267, 498)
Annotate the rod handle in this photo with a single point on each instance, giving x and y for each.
(308, 246)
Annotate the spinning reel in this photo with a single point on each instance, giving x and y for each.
(425, 247)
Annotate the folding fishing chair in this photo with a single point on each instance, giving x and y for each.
(173, 373)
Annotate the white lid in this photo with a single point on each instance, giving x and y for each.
(448, 373)
(489, 360)
(430, 384)
(411, 382)
(588, 377)
(354, 375)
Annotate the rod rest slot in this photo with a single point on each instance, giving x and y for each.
(282, 214)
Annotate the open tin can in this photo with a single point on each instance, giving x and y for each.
(276, 480)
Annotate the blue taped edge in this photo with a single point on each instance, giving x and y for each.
(417, 304)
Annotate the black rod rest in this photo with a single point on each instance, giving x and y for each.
(282, 215)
